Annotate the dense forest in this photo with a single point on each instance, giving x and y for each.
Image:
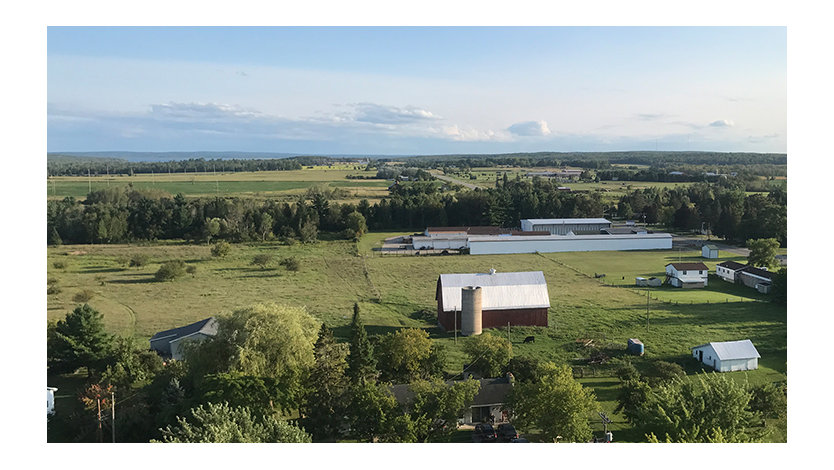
(126, 214)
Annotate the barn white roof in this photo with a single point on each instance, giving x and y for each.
(728, 350)
(568, 221)
(499, 291)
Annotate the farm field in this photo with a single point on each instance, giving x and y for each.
(264, 184)
(395, 292)
(485, 177)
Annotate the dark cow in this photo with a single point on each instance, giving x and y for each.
(530, 339)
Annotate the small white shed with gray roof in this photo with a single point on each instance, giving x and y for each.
(728, 356)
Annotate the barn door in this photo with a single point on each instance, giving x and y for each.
(700, 356)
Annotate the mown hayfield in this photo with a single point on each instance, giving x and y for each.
(251, 183)
(396, 291)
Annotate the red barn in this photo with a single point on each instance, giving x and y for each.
(520, 299)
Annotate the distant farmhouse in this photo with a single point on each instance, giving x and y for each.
(687, 275)
(486, 406)
(729, 270)
(728, 356)
(471, 302)
(169, 343)
(756, 278)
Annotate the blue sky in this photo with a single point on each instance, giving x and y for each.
(426, 90)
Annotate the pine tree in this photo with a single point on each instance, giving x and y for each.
(79, 340)
(326, 389)
(361, 364)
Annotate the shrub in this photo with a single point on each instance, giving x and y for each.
(263, 260)
(221, 249)
(138, 260)
(191, 269)
(122, 261)
(59, 265)
(53, 289)
(291, 263)
(83, 296)
(170, 270)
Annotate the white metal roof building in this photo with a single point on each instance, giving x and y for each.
(519, 298)
(728, 356)
(564, 226)
(501, 291)
(508, 244)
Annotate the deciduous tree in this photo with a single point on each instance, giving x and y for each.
(219, 422)
(555, 404)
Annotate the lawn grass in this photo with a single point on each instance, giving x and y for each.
(396, 292)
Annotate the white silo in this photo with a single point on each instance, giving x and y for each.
(470, 314)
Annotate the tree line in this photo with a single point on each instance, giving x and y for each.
(116, 215)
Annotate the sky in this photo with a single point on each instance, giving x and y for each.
(419, 90)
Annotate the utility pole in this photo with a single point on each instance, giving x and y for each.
(647, 309)
(89, 181)
(98, 401)
(113, 415)
(455, 314)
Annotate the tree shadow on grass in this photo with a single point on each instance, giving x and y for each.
(145, 280)
(98, 269)
(262, 274)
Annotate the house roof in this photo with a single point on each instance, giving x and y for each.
(207, 326)
(732, 265)
(728, 350)
(492, 392)
(758, 272)
(568, 221)
(689, 266)
(711, 247)
(499, 291)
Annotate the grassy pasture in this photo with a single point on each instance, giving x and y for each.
(395, 292)
(252, 183)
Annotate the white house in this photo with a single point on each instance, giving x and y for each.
(169, 343)
(729, 270)
(728, 356)
(709, 251)
(687, 275)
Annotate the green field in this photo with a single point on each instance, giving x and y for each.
(251, 184)
(393, 292)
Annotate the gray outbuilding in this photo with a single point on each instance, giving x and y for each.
(728, 356)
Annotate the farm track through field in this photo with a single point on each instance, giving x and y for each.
(131, 313)
(358, 292)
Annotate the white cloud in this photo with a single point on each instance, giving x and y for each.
(198, 111)
(381, 114)
(722, 123)
(530, 128)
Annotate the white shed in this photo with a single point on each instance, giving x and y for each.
(728, 356)
(50, 400)
(709, 251)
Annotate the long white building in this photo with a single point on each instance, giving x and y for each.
(564, 226)
(485, 244)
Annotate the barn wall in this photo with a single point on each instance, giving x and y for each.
(497, 318)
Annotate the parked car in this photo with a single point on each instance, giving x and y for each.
(520, 439)
(507, 432)
(484, 433)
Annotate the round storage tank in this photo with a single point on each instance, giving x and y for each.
(470, 314)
